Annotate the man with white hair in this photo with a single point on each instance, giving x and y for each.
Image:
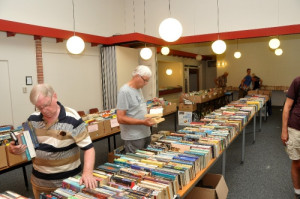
(131, 111)
(61, 134)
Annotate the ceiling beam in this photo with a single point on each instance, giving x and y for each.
(16, 27)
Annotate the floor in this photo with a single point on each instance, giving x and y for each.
(265, 172)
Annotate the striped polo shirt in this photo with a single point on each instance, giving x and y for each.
(58, 154)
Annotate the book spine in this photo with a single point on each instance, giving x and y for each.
(26, 151)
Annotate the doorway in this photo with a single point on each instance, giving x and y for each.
(193, 79)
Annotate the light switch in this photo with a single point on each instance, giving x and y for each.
(24, 89)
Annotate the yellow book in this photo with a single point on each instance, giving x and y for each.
(156, 163)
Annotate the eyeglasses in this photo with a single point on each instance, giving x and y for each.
(145, 80)
(45, 105)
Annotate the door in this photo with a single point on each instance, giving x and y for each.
(5, 99)
(193, 79)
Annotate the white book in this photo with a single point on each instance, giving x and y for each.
(29, 143)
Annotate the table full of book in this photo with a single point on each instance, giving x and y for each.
(173, 163)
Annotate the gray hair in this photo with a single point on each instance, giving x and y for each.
(40, 89)
(142, 70)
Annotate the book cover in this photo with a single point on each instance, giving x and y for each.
(29, 144)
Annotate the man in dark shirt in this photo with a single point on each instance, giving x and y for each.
(290, 134)
(257, 82)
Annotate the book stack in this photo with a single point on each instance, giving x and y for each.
(11, 195)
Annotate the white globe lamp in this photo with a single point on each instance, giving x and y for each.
(237, 54)
(219, 47)
(170, 29)
(274, 43)
(165, 50)
(199, 57)
(146, 53)
(278, 51)
(75, 45)
(169, 71)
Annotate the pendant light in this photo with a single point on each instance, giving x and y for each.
(218, 46)
(275, 43)
(145, 53)
(278, 51)
(165, 50)
(237, 54)
(170, 29)
(169, 71)
(75, 44)
(199, 57)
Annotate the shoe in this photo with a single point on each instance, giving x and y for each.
(297, 196)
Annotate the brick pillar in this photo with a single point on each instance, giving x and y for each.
(39, 61)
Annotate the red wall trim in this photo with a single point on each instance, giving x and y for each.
(16, 27)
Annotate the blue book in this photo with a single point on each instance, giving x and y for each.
(27, 126)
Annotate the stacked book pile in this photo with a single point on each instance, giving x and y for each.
(103, 115)
(11, 195)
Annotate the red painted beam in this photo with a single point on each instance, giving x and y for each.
(16, 27)
(10, 34)
(185, 54)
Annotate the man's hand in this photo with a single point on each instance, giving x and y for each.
(284, 137)
(16, 149)
(88, 180)
(148, 122)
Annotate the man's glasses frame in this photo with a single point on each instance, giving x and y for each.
(146, 81)
(45, 106)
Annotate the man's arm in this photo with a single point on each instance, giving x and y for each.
(87, 177)
(285, 117)
(124, 119)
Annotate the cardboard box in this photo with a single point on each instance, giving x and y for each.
(15, 159)
(184, 118)
(3, 159)
(107, 126)
(115, 154)
(169, 109)
(96, 130)
(214, 186)
(187, 107)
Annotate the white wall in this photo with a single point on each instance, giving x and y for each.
(109, 17)
(75, 78)
(19, 53)
(127, 60)
(71, 76)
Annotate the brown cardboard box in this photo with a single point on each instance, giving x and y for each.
(169, 109)
(219, 188)
(115, 129)
(96, 130)
(115, 154)
(187, 107)
(107, 126)
(15, 159)
(3, 159)
(253, 92)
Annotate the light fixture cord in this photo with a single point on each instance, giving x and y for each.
(133, 9)
(237, 44)
(218, 23)
(73, 17)
(278, 17)
(170, 8)
(144, 16)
